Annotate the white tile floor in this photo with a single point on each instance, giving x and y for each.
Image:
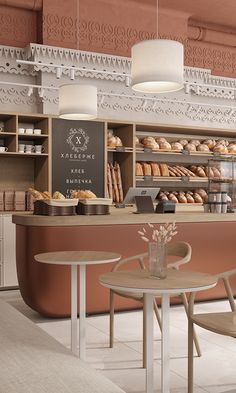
(215, 371)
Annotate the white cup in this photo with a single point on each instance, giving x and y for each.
(218, 196)
(224, 196)
(21, 130)
(29, 149)
(29, 131)
(37, 131)
(3, 149)
(21, 148)
(224, 207)
(39, 149)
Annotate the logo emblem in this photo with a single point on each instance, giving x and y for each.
(78, 139)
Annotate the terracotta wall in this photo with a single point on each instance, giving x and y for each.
(111, 26)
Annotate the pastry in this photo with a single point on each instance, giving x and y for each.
(118, 141)
(176, 146)
(58, 195)
(35, 194)
(183, 142)
(83, 194)
(138, 169)
(203, 147)
(155, 169)
(46, 195)
(190, 147)
(147, 170)
(164, 170)
(165, 145)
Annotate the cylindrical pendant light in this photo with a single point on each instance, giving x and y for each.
(157, 66)
(77, 102)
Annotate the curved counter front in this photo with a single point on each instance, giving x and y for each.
(46, 288)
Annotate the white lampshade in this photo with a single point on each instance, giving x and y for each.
(157, 66)
(77, 102)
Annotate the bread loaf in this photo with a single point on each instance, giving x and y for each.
(200, 172)
(219, 148)
(164, 170)
(232, 148)
(210, 143)
(203, 147)
(197, 198)
(173, 198)
(190, 147)
(138, 169)
(182, 198)
(183, 142)
(189, 198)
(58, 195)
(176, 146)
(165, 145)
(195, 142)
(147, 170)
(160, 140)
(155, 169)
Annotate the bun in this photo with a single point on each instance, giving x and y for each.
(155, 169)
(58, 195)
(203, 147)
(183, 142)
(165, 145)
(190, 147)
(138, 169)
(164, 170)
(176, 146)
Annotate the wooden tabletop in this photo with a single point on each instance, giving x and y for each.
(77, 257)
(142, 281)
(119, 217)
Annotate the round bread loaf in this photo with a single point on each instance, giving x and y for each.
(183, 142)
(165, 145)
(219, 148)
(203, 147)
(182, 198)
(160, 139)
(190, 147)
(189, 198)
(210, 143)
(118, 141)
(195, 142)
(197, 198)
(173, 198)
(176, 146)
(111, 142)
(232, 148)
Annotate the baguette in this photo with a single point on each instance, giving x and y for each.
(147, 170)
(155, 169)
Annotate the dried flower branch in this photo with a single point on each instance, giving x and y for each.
(163, 234)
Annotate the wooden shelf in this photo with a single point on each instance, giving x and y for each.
(7, 134)
(165, 179)
(15, 154)
(121, 149)
(31, 136)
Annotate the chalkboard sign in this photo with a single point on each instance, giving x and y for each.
(77, 156)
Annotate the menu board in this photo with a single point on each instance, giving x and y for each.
(77, 156)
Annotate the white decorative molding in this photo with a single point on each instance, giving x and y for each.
(206, 99)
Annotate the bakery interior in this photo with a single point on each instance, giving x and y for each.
(91, 160)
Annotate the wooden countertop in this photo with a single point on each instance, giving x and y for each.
(120, 217)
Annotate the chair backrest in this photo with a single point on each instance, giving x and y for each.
(179, 249)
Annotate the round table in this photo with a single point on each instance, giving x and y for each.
(141, 281)
(81, 258)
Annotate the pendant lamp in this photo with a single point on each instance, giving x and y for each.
(77, 102)
(157, 66)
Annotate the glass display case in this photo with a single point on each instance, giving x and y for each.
(222, 184)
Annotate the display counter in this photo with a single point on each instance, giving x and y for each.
(46, 288)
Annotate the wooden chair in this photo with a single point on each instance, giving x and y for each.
(220, 322)
(178, 249)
